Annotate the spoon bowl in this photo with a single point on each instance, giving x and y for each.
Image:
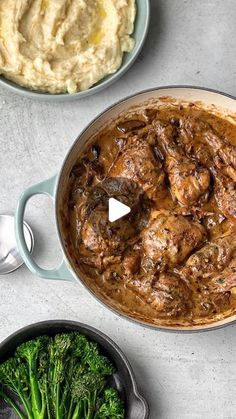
(10, 258)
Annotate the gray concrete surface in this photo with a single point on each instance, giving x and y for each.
(182, 376)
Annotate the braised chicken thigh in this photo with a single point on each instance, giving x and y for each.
(189, 182)
(168, 294)
(169, 239)
(224, 154)
(97, 234)
(172, 259)
(138, 162)
(225, 194)
(209, 147)
(212, 257)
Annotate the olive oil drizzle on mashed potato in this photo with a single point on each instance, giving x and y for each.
(60, 46)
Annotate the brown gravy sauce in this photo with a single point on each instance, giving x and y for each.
(148, 270)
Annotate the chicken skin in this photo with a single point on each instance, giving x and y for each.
(96, 232)
(168, 294)
(225, 154)
(169, 238)
(201, 140)
(171, 295)
(212, 270)
(189, 182)
(225, 194)
(138, 163)
(216, 291)
(213, 257)
(99, 236)
(218, 155)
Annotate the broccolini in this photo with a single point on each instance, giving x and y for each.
(60, 377)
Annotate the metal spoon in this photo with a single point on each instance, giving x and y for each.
(10, 258)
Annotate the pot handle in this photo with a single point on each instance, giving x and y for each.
(48, 188)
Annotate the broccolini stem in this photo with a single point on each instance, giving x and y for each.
(70, 408)
(91, 405)
(13, 405)
(36, 404)
(58, 410)
(65, 400)
(49, 416)
(77, 412)
(44, 406)
(26, 405)
(35, 392)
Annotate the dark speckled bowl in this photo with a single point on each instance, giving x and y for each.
(123, 379)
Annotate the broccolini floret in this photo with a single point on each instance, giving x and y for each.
(112, 407)
(60, 377)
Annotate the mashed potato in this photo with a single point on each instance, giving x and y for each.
(61, 46)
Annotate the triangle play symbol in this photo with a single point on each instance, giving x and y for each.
(117, 210)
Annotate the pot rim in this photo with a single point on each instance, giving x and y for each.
(173, 329)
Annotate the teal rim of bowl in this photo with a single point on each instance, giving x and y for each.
(140, 33)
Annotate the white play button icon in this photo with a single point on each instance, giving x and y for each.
(117, 210)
